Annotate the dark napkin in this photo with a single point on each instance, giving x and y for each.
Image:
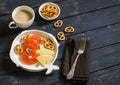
(81, 73)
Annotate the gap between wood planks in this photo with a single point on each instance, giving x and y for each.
(92, 10)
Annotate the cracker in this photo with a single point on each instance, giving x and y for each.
(18, 49)
(69, 29)
(25, 37)
(60, 36)
(49, 44)
(58, 23)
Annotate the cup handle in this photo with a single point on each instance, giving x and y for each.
(12, 25)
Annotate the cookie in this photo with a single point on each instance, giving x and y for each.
(25, 37)
(69, 29)
(60, 36)
(49, 40)
(58, 23)
(49, 44)
(18, 49)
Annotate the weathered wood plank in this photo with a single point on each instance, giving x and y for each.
(7, 6)
(111, 36)
(105, 38)
(108, 56)
(110, 53)
(93, 20)
(108, 76)
(80, 19)
(104, 57)
(20, 76)
(82, 6)
(6, 20)
(84, 21)
(104, 16)
(95, 35)
(6, 65)
(99, 59)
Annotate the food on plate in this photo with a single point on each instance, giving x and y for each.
(49, 44)
(25, 37)
(35, 49)
(45, 55)
(28, 58)
(18, 49)
(49, 40)
(58, 23)
(69, 29)
(49, 11)
(60, 36)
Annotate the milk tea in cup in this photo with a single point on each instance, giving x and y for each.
(23, 17)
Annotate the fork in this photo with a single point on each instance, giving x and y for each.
(80, 51)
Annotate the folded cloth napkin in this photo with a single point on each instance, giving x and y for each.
(81, 73)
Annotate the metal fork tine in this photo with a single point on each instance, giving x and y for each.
(82, 46)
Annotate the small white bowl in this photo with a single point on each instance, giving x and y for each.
(15, 58)
(48, 3)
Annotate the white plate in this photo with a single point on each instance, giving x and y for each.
(15, 58)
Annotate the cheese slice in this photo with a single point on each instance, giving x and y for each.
(45, 59)
(45, 55)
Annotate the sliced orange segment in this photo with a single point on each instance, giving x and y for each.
(33, 42)
(30, 46)
(37, 39)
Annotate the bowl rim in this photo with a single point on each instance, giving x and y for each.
(31, 68)
(46, 3)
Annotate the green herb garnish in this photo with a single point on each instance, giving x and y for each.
(28, 50)
(42, 38)
(37, 65)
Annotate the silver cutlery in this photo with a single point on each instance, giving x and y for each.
(80, 51)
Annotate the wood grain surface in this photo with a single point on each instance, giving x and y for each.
(98, 20)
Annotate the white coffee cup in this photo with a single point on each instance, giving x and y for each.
(23, 17)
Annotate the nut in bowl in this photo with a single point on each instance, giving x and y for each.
(49, 11)
(34, 51)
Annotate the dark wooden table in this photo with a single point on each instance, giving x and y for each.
(97, 19)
